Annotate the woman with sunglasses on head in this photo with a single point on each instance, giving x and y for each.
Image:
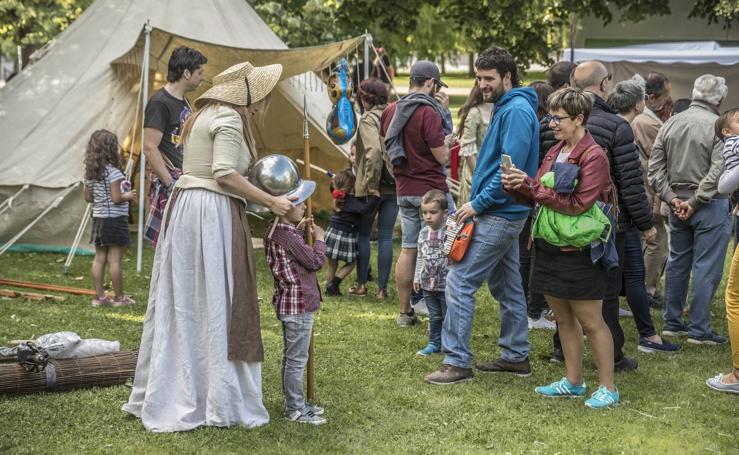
(571, 282)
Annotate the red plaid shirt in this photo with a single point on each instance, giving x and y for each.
(294, 265)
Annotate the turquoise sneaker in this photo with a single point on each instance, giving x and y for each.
(562, 388)
(428, 350)
(602, 398)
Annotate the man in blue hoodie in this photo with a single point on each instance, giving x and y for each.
(492, 255)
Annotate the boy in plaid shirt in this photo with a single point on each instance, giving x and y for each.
(294, 265)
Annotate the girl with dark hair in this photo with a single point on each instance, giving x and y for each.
(105, 188)
(341, 235)
(375, 187)
(474, 117)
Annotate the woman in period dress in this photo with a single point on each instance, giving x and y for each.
(201, 349)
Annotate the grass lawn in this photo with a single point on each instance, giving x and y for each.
(371, 384)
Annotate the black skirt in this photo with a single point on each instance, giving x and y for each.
(110, 231)
(567, 275)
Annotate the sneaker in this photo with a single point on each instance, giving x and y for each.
(431, 348)
(710, 340)
(681, 332)
(522, 368)
(97, 301)
(625, 313)
(307, 416)
(421, 308)
(562, 388)
(123, 301)
(557, 356)
(626, 364)
(649, 346)
(407, 319)
(717, 384)
(542, 323)
(602, 398)
(317, 410)
(449, 374)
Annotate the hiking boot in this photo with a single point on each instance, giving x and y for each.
(626, 364)
(449, 374)
(712, 339)
(522, 368)
(407, 319)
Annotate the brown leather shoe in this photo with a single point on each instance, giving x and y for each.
(522, 368)
(449, 374)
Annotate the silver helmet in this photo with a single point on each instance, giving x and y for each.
(278, 175)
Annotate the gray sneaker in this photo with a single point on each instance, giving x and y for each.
(449, 374)
(522, 368)
(307, 416)
(717, 384)
(407, 319)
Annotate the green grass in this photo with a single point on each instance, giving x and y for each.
(371, 384)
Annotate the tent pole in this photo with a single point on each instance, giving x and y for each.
(384, 70)
(367, 42)
(77, 239)
(55, 203)
(142, 157)
(8, 203)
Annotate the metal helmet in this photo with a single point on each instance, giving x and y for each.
(278, 175)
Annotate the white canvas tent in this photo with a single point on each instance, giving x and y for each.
(681, 62)
(89, 79)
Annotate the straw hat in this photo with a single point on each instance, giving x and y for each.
(242, 84)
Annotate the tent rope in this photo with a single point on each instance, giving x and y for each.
(8, 203)
(54, 204)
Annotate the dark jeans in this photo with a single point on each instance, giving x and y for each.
(535, 302)
(610, 305)
(634, 280)
(436, 304)
(386, 209)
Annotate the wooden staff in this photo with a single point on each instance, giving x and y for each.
(308, 235)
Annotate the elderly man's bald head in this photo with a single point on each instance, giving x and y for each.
(589, 75)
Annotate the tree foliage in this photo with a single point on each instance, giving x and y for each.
(717, 11)
(32, 23)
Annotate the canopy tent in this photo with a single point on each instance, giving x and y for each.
(90, 76)
(682, 63)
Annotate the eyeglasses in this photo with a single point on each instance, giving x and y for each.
(549, 118)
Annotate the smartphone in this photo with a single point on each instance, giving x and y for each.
(506, 163)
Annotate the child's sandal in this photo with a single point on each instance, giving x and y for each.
(101, 302)
(123, 301)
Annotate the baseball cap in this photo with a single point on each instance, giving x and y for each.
(424, 69)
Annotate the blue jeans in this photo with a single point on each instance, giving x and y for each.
(698, 246)
(386, 210)
(436, 304)
(492, 256)
(296, 330)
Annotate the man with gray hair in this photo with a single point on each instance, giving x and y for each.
(684, 169)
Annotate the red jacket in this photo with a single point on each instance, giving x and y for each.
(594, 180)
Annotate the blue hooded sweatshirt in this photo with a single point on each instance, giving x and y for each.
(514, 130)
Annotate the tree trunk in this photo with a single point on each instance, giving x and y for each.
(471, 62)
(443, 65)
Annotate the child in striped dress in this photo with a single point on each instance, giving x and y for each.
(106, 187)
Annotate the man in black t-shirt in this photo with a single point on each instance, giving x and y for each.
(165, 114)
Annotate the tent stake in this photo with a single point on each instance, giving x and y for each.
(142, 158)
(54, 204)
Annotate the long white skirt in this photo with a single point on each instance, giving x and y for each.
(183, 377)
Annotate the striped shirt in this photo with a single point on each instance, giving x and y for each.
(294, 265)
(102, 200)
(731, 152)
